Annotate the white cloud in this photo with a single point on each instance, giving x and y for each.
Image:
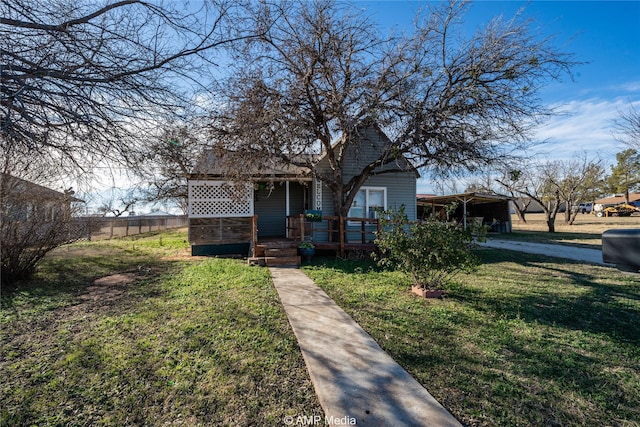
(582, 126)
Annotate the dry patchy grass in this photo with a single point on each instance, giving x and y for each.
(585, 231)
(126, 333)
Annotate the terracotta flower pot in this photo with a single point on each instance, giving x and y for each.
(427, 293)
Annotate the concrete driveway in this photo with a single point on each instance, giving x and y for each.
(591, 256)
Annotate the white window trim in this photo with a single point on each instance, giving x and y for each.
(366, 199)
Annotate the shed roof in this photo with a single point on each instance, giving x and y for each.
(477, 198)
(618, 199)
(214, 163)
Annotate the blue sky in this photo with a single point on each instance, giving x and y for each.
(603, 35)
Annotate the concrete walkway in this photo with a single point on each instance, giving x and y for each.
(591, 256)
(354, 379)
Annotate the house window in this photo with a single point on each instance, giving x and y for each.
(367, 201)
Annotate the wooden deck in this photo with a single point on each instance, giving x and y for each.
(329, 233)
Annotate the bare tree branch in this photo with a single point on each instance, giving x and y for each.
(82, 82)
(322, 73)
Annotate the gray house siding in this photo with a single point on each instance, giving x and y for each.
(399, 181)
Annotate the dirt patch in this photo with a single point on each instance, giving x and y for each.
(181, 255)
(114, 280)
(109, 288)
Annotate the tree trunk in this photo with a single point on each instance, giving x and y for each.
(551, 224)
(567, 214)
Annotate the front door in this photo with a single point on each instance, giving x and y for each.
(270, 204)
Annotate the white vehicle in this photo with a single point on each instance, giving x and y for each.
(583, 208)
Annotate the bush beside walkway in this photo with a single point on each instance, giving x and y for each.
(527, 340)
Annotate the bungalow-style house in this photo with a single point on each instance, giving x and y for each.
(287, 203)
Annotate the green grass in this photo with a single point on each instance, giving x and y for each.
(186, 342)
(526, 340)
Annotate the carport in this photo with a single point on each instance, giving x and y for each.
(489, 209)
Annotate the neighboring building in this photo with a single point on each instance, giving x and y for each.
(534, 206)
(230, 217)
(24, 200)
(617, 199)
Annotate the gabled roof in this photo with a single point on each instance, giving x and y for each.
(223, 164)
(401, 161)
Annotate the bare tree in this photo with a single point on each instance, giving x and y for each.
(554, 184)
(447, 102)
(119, 206)
(82, 81)
(171, 157)
(579, 180)
(538, 185)
(512, 179)
(628, 128)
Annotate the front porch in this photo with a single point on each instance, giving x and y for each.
(330, 234)
(227, 218)
(217, 236)
(335, 233)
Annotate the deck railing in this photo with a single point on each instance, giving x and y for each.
(334, 232)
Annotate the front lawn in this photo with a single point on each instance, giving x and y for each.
(527, 340)
(159, 339)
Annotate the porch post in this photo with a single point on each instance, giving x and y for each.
(286, 187)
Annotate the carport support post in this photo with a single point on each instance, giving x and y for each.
(464, 214)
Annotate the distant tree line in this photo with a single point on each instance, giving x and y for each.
(554, 184)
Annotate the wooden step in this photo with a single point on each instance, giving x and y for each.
(290, 260)
(280, 252)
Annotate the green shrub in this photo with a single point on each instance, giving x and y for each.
(431, 251)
